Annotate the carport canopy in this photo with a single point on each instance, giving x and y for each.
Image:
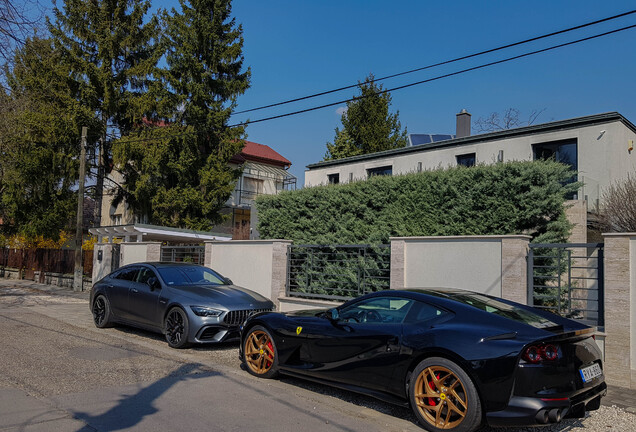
(144, 233)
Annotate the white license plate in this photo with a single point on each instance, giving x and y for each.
(590, 372)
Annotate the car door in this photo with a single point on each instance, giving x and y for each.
(118, 286)
(361, 346)
(143, 300)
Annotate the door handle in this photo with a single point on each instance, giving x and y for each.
(134, 290)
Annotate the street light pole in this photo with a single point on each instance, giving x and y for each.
(79, 267)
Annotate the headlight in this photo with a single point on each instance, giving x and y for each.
(205, 311)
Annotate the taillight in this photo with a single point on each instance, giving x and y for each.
(539, 353)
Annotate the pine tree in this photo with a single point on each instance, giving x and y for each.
(40, 122)
(182, 178)
(367, 125)
(112, 55)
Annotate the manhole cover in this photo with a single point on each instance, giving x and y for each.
(101, 353)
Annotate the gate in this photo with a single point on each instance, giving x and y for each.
(190, 254)
(338, 272)
(115, 254)
(567, 279)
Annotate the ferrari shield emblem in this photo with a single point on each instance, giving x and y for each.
(298, 330)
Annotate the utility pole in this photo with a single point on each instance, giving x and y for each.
(78, 275)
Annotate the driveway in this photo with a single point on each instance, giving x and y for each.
(59, 373)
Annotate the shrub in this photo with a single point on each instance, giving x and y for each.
(506, 198)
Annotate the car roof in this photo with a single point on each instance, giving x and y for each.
(158, 264)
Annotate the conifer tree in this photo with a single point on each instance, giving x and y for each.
(40, 122)
(367, 125)
(182, 177)
(112, 54)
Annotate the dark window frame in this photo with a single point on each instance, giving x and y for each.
(333, 178)
(386, 170)
(467, 159)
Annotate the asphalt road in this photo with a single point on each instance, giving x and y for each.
(59, 373)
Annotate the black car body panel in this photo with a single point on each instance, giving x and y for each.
(134, 301)
(377, 358)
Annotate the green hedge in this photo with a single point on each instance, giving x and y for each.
(505, 198)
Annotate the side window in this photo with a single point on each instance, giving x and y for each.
(421, 312)
(145, 274)
(390, 310)
(129, 274)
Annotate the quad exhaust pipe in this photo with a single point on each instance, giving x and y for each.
(549, 416)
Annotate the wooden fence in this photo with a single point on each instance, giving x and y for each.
(29, 261)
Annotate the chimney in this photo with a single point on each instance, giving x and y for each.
(463, 124)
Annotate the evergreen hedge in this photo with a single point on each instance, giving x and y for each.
(505, 198)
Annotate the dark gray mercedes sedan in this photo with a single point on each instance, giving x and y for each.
(188, 303)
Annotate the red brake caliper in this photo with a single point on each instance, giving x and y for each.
(431, 401)
(270, 356)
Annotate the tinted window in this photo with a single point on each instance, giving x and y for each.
(386, 170)
(190, 275)
(466, 160)
(421, 312)
(129, 274)
(145, 274)
(500, 308)
(378, 309)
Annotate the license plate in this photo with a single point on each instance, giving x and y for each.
(590, 372)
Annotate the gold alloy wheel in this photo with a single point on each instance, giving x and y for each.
(259, 352)
(440, 397)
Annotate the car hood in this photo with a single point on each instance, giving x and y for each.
(227, 295)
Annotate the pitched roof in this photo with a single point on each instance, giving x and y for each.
(262, 153)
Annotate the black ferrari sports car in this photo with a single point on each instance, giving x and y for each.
(458, 358)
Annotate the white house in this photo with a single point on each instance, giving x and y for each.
(599, 147)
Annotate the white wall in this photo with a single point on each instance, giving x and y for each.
(466, 262)
(133, 253)
(252, 264)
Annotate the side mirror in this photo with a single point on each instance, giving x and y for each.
(153, 283)
(228, 281)
(333, 314)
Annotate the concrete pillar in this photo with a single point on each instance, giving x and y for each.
(397, 264)
(102, 260)
(619, 314)
(514, 268)
(279, 270)
(153, 252)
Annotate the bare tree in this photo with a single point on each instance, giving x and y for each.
(511, 118)
(18, 20)
(618, 212)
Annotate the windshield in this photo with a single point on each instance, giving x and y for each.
(195, 275)
(500, 308)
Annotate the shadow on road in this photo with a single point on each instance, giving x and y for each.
(131, 410)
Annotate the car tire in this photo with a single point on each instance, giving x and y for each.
(443, 397)
(102, 316)
(176, 328)
(260, 353)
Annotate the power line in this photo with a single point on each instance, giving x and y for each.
(437, 77)
(444, 62)
(485, 65)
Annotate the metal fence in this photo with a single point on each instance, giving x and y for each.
(337, 271)
(190, 254)
(567, 279)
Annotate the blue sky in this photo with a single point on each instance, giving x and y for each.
(295, 48)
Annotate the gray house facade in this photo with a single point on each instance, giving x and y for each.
(599, 147)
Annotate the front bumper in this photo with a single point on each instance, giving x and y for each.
(528, 411)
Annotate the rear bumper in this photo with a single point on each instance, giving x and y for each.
(527, 411)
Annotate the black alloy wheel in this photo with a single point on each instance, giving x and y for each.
(101, 312)
(177, 327)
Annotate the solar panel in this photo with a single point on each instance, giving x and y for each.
(419, 139)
